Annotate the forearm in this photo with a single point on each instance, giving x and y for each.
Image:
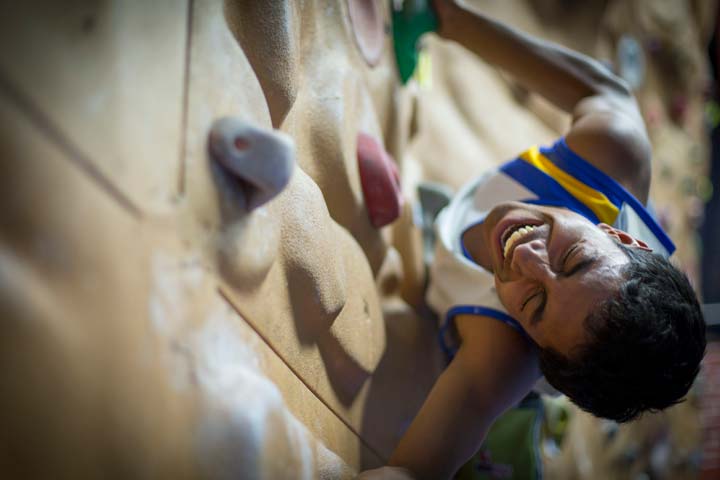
(446, 432)
(493, 369)
(563, 76)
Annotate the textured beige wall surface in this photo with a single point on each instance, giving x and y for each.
(151, 327)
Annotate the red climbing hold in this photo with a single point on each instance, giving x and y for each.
(380, 181)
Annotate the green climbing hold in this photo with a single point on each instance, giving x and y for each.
(410, 19)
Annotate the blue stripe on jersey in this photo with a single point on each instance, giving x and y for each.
(545, 187)
(578, 167)
(572, 163)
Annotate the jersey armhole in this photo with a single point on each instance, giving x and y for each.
(447, 330)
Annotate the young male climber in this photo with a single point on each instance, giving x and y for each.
(552, 266)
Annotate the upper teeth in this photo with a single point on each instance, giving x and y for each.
(516, 235)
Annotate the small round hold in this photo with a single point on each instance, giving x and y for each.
(368, 29)
(631, 61)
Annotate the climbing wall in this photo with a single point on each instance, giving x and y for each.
(196, 280)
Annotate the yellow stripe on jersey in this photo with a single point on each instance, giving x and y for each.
(596, 201)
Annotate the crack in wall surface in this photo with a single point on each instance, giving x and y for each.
(347, 424)
(185, 98)
(72, 152)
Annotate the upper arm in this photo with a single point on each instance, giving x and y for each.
(493, 369)
(608, 131)
(502, 363)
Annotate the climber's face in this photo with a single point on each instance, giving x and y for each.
(552, 267)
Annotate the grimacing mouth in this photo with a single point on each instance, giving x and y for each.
(515, 235)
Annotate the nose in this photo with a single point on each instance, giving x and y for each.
(530, 260)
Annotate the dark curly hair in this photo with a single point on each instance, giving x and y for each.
(644, 344)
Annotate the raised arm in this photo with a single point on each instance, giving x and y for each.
(607, 128)
(493, 370)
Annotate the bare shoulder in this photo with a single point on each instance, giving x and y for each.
(489, 333)
(608, 131)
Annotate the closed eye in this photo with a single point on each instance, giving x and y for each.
(568, 254)
(580, 266)
(539, 296)
(537, 314)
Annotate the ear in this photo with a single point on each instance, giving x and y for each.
(623, 237)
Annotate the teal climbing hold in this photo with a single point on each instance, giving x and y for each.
(410, 19)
